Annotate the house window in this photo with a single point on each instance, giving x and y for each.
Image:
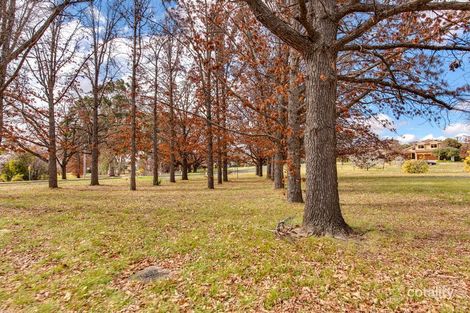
(420, 146)
(433, 146)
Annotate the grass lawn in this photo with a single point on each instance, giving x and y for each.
(73, 249)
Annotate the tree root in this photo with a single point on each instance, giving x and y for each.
(292, 233)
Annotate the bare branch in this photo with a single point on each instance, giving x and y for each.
(407, 45)
(280, 28)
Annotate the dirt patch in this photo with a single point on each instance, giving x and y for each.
(151, 273)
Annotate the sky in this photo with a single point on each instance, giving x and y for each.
(406, 129)
(450, 125)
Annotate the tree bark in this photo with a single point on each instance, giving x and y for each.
(112, 168)
(119, 167)
(322, 213)
(225, 168)
(84, 165)
(172, 146)
(278, 167)
(155, 160)
(294, 181)
(219, 163)
(279, 156)
(63, 168)
(224, 135)
(155, 140)
(272, 168)
(78, 174)
(1, 114)
(3, 78)
(184, 168)
(172, 113)
(218, 131)
(63, 165)
(52, 149)
(268, 168)
(210, 159)
(209, 132)
(94, 143)
(133, 184)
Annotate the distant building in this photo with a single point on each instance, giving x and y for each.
(423, 150)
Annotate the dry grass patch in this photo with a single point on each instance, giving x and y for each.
(73, 249)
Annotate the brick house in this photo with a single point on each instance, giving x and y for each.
(423, 150)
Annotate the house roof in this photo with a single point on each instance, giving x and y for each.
(427, 141)
(412, 148)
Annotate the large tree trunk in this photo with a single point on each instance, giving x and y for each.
(3, 78)
(172, 117)
(1, 114)
(210, 158)
(155, 160)
(278, 168)
(184, 168)
(135, 63)
(219, 163)
(225, 169)
(209, 132)
(155, 142)
(78, 165)
(322, 214)
(224, 132)
(279, 156)
(119, 166)
(84, 165)
(112, 167)
(294, 181)
(94, 144)
(268, 168)
(172, 150)
(133, 183)
(52, 149)
(63, 168)
(218, 131)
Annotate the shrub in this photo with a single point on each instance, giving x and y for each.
(415, 167)
(3, 178)
(466, 163)
(17, 177)
(24, 165)
(448, 153)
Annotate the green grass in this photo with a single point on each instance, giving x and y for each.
(73, 249)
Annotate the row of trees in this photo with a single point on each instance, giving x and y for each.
(209, 83)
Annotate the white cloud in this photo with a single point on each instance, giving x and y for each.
(457, 129)
(428, 136)
(379, 123)
(431, 136)
(406, 138)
